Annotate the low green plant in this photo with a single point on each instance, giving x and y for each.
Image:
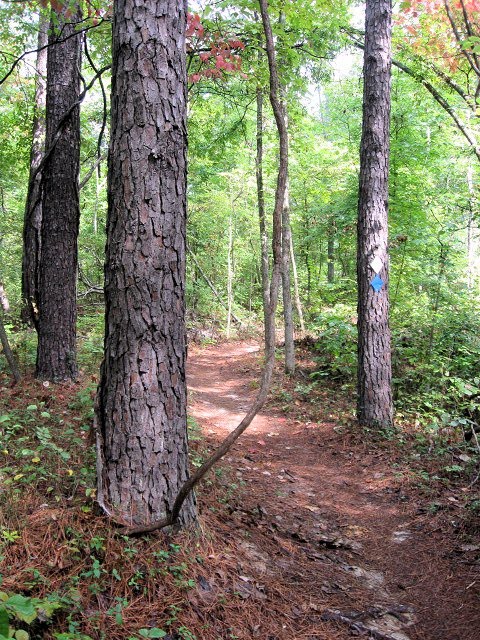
(154, 632)
(16, 608)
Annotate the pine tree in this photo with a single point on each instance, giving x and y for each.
(375, 407)
(141, 412)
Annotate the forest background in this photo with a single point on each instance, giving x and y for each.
(433, 209)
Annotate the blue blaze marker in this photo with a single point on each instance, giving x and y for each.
(377, 283)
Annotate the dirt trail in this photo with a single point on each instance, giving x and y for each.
(335, 542)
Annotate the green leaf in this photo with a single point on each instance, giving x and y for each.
(22, 608)
(3, 621)
(21, 635)
(32, 407)
(155, 632)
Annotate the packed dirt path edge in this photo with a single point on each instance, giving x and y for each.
(330, 518)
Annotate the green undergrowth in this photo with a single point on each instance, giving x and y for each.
(435, 363)
(65, 573)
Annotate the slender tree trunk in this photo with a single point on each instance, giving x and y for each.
(286, 288)
(286, 242)
(8, 352)
(308, 267)
(5, 307)
(230, 275)
(142, 451)
(442, 262)
(282, 177)
(296, 289)
(33, 207)
(4, 303)
(331, 254)
(375, 407)
(264, 259)
(471, 226)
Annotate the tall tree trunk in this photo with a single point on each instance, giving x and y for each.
(57, 304)
(142, 451)
(230, 274)
(264, 259)
(33, 207)
(282, 177)
(286, 287)
(471, 227)
(286, 242)
(375, 407)
(186, 489)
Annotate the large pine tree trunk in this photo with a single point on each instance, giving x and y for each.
(141, 405)
(56, 353)
(33, 206)
(375, 407)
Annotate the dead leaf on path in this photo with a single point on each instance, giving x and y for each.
(312, 508)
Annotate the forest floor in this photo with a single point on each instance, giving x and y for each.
(309, 528)
(336, 534)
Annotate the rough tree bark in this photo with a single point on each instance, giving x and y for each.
(56, 353)
(142, 452)
(375, 408)
(33, 207)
